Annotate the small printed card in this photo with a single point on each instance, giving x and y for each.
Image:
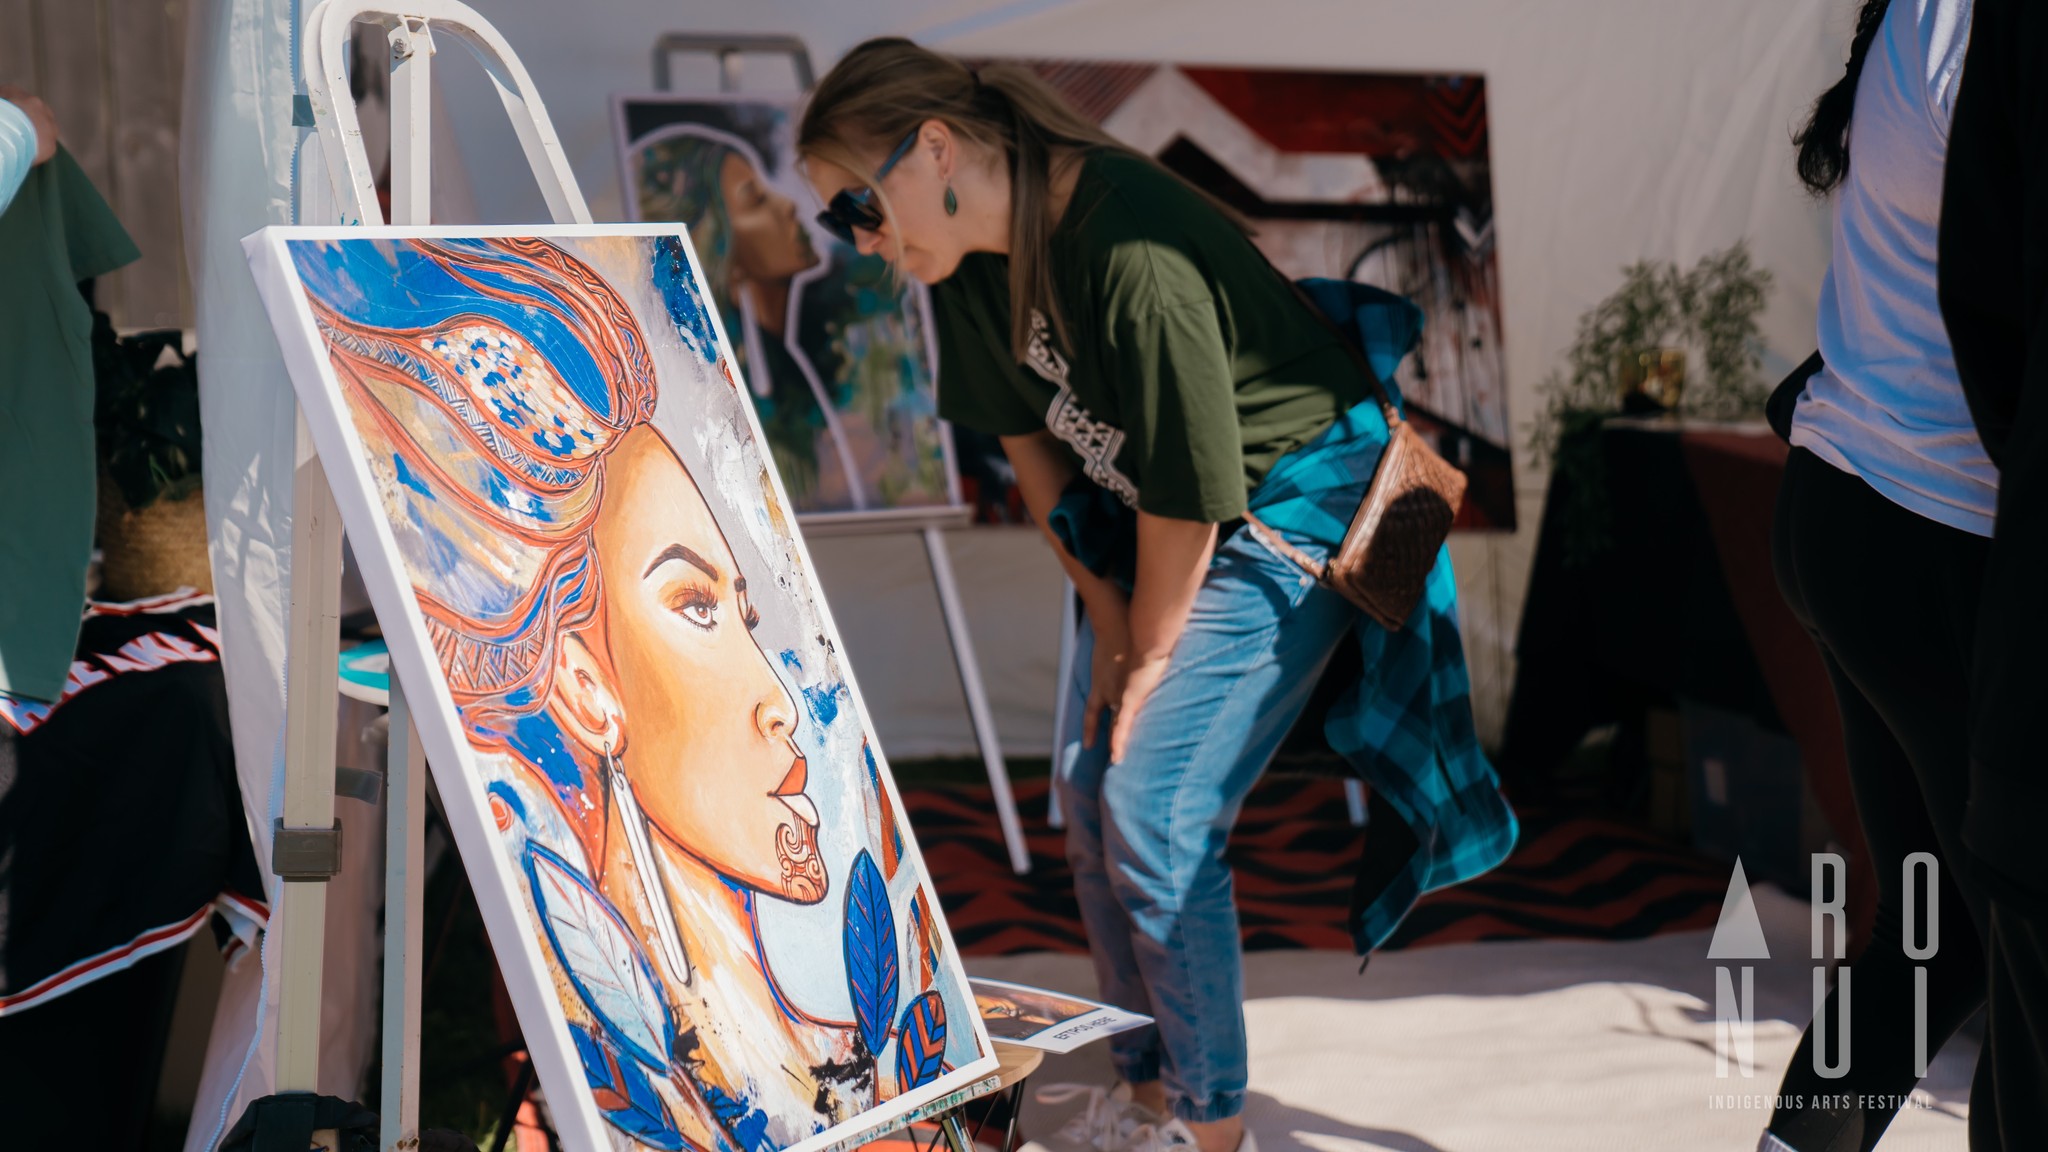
(1052, 1021)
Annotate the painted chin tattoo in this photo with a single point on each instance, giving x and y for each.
(803, 871)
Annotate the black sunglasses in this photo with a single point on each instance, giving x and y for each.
(850, 210)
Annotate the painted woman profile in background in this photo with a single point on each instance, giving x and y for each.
(754, 247)
(835, 348)
(598, 638)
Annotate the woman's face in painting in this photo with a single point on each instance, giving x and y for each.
(768, 241)
(706, 727)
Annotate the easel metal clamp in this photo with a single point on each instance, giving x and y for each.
(305, 855)
(408, 36)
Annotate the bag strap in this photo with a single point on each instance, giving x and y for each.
(1357, 354)
(1350, 346)
(1278, 543)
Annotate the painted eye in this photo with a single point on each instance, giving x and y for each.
(698, 607)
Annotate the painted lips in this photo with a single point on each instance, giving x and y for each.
(791, 792)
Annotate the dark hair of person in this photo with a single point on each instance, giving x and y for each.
(1824, 143)
(885, 88)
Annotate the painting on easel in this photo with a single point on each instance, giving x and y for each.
(691, 857)
(837, 352)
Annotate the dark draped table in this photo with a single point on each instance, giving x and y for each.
(1680, 603)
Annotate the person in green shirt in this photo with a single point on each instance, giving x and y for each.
(28, 137)
(55, 231)
(1152, 377)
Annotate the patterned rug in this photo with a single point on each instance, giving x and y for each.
(1293, 851)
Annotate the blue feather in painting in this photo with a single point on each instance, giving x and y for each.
(678, 290)
(603, 961)
(625, 1095)
(924, 956)
(871, 964)
(921, 1042)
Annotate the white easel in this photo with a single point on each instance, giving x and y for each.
(306, 844)
(929, 523)
(306, 849)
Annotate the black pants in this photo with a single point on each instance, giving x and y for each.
(2009, 1101)
(1891, 599)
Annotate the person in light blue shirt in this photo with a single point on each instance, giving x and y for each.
(28, 136)
(1882, 535)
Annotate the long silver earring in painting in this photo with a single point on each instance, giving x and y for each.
(952, 202)
(653, 888)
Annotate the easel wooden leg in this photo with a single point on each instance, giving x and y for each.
(956, 1132)
(404, 911)
(308, 804)
(977, 698)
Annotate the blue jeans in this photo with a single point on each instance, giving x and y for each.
(1145, 836)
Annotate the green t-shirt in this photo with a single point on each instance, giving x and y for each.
(56, 232)
(1193, 366)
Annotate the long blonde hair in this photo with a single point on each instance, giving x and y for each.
(885, 88)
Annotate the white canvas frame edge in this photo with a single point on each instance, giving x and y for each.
(845, 522)
(336, 439)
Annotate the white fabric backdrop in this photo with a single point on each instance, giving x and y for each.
(1621, 130)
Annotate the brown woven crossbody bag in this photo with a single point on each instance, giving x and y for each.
(1384, 561)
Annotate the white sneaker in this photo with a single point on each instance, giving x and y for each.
(1170, 1136)
(1175, 1136)
(1106, 1122)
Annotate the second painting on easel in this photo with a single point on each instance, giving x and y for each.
(836, 352)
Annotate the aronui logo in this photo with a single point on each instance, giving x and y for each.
(1738, 938)
(1739, 942)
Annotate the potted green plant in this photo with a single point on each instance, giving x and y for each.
(151, 520)
(1631, 353)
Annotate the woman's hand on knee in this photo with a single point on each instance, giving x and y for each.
(1108, 671)
(1140, 678)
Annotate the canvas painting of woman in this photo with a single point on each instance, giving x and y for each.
(835, 351)
(563, 504)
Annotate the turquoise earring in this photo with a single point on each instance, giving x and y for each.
(952, 202)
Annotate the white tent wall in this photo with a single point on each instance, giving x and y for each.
(1621, 130)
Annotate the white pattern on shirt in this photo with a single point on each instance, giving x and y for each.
(1095, 441)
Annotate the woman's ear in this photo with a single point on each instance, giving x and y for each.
(583, 699)
(935, 137)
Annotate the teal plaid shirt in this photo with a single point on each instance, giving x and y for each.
(1406, 726)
